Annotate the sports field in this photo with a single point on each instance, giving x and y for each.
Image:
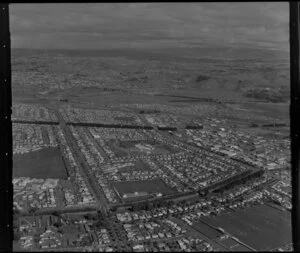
(261, 227)
(125, 148)
(149, 186)
(43, 163)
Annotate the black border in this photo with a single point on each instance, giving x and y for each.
(295, 119)
(6, 187)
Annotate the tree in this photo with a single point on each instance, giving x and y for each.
(16, 235)
(89, 216)
(15, 225)
(56, 213)
(32, 210)
(100, 215)
(57, 224)
(16, 211)
(169, 203)
(146, 207)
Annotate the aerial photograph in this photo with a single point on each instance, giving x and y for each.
(151, 127)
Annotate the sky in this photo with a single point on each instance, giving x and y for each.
(150, 25)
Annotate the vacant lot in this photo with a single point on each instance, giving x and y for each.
(149, 186)
(262, 227)
(43, 163)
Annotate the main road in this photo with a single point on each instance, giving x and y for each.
(93, 185)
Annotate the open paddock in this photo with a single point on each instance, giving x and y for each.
(208, 231)
(233, 245)
(261, 227)
(44, 163)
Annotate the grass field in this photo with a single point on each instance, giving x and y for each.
(149, 186)
(233, 245)
(139, 165)
(137, 148)
(208, 231)
(43, 163)
(278, 111)
(262, 227)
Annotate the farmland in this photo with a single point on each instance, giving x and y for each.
(261, 227)
(207, 230)
(233, 245)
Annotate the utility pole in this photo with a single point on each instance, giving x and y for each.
(295, 119)
(6, 188)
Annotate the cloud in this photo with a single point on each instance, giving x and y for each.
(179, 24)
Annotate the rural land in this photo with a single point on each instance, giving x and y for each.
(183, 149)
